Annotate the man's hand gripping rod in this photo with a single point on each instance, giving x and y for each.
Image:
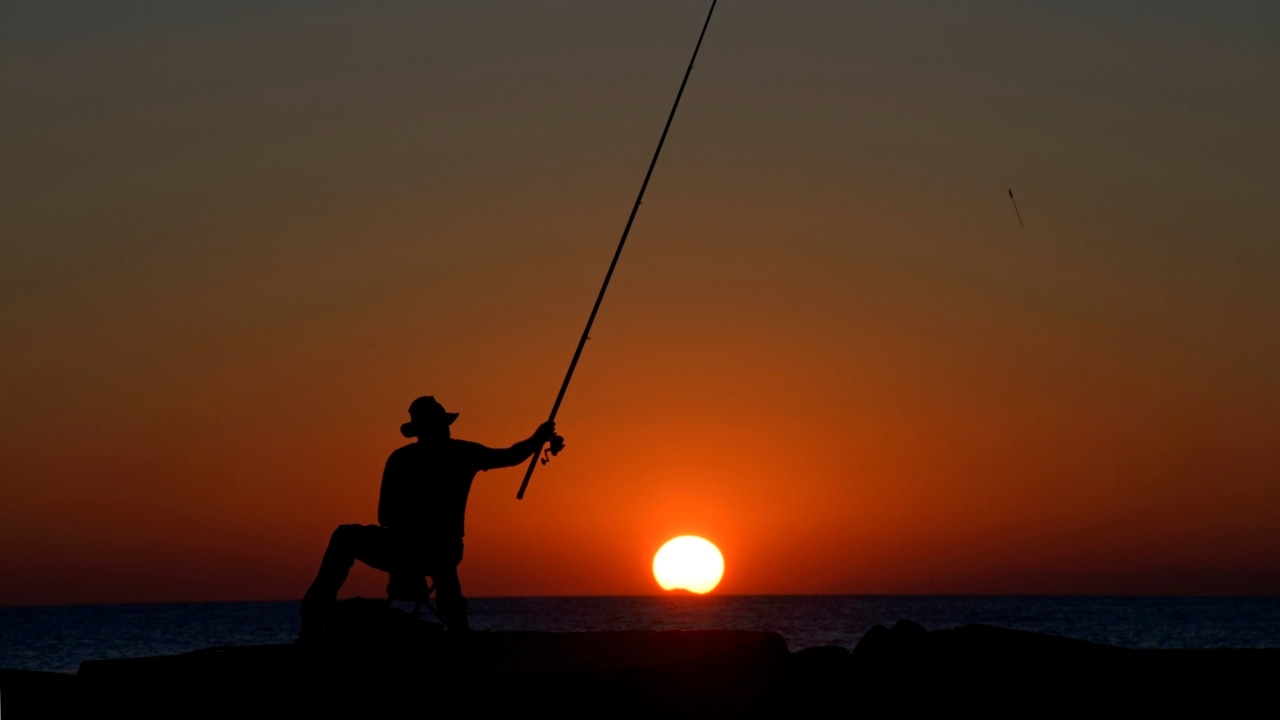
(533, 462)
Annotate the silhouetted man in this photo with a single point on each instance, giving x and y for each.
(420, 516)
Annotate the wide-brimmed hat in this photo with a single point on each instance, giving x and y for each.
(426, 413)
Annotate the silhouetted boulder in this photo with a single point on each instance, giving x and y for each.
(883, 649)
(817, 678)
(378, 661)
(361, 621)
(680, 673)
(27, 693)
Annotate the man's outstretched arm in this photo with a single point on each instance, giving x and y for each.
(521, 451)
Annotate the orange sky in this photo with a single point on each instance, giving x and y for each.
(238, 241)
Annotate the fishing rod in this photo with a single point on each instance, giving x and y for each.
(1015, 207)
(573, 364)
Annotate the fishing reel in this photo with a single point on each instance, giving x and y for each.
(553, 448)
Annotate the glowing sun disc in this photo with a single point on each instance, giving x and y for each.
(688, 563)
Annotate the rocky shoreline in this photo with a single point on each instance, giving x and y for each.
(380, 661)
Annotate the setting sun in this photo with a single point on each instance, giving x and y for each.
(688, 563)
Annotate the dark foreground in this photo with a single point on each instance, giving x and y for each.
(378, 662)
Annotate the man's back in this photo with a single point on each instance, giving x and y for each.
(425, 486)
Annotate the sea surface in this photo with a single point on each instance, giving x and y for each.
(58, 639)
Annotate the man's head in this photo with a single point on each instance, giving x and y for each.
(427, 418)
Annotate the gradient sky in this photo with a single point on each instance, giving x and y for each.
(238, 238)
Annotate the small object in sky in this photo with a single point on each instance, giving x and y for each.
(1015, 207)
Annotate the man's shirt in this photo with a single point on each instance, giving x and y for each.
(425, 485)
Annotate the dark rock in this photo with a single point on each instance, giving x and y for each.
(823, 659)
(378, 661)
(27, 693)
(817, 678)
(361, 621)
(713, 672)
(994, 669)
(882, 648)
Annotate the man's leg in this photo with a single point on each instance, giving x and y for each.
(369, 544)
(453, 607)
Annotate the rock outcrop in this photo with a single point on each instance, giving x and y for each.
(378, 662)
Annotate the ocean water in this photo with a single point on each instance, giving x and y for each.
(59, 638)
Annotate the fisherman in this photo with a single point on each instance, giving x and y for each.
(420, 516)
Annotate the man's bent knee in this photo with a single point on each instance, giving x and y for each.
(346, 539)
(345, 534)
